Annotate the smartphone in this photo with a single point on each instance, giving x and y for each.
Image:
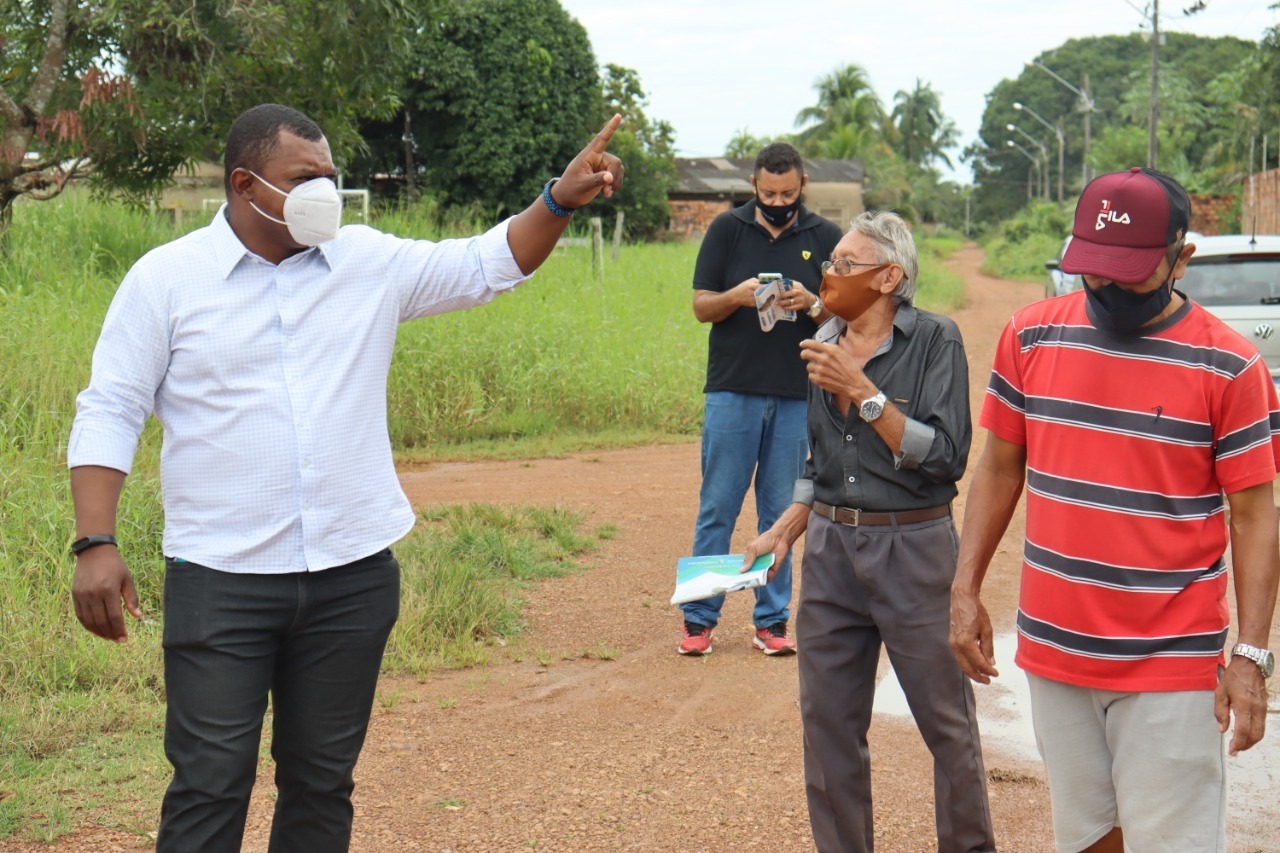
(771, 285)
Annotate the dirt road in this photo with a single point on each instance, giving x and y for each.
(649, 751)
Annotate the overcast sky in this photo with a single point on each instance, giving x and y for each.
(711, 67)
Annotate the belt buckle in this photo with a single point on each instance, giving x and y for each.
(856, 515)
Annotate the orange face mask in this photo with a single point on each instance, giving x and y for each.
(849, 296)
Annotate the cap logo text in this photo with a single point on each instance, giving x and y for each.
(1108, 215)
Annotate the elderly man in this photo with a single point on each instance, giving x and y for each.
(889, 431)
(1130, 412)
(262, 343)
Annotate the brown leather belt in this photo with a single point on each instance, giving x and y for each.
(856, 517)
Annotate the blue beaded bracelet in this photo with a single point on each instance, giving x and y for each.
(557, 209)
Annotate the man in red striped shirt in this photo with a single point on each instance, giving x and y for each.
(1145, 431)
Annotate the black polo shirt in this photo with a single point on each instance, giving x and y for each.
(740, 357)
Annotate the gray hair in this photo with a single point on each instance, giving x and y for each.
(893, 245)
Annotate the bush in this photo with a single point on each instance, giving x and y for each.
(1020, 245)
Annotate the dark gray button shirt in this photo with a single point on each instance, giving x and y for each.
(923, 371)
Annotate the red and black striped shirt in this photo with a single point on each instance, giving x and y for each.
(1131, 445)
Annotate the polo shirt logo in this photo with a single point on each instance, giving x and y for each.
(805, 254)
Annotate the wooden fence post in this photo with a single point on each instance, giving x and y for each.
(617, 234)
(597, 246)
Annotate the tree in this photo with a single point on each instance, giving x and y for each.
(127, 91)
(647, 149)
(1198, 94)
(742, 144)
(845, 100)
(506, 92)
(923, 131)
(848, 123)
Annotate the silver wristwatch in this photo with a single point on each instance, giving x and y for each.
(815, 310)
(872, 408)
(1262, 657)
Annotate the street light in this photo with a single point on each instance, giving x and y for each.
(1044, 152)
(1086, 107)
(1057, 130)
(1035, 163)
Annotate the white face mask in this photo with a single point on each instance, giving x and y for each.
(312, 211)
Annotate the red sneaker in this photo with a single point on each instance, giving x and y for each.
(773, 640)
(696, 640)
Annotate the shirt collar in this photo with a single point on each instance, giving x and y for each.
(904, 321)
(229, 251)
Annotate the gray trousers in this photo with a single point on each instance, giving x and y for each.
(860, 587)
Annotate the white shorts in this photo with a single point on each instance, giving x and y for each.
(1150, 763)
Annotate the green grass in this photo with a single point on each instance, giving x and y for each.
(1024, 260)
(567, 362)
(1021, 245)
(940, 290)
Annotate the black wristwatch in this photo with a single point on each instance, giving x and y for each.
(88, 542)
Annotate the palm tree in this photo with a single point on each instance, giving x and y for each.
(743, 144)
(923, 130)
(847, 142)
(845, 100)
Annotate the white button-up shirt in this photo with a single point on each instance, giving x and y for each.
(270, 383)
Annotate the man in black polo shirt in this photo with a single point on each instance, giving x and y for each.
(889, 427)
(755, 407)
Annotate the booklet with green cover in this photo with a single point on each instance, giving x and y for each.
(702, 577)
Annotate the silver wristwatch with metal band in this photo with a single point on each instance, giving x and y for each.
(1262, 657)
(873, 407)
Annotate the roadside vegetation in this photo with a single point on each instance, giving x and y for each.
(1018, 247)
(568, 362)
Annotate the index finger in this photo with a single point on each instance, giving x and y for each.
(601, 140)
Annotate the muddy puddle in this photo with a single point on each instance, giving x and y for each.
(1004, 710)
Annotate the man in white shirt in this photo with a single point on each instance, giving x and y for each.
(262, 344)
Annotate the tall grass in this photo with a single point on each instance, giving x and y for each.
(940, 289)
(1021, 245)
(569, 359)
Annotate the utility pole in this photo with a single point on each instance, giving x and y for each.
(1086, 107)
(1153, 108)
(407, 139)
(1153, 114)
(1061, 160)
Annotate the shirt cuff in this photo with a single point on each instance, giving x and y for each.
(802, 493)
(917, 439)
(501, 271)
(102, 446)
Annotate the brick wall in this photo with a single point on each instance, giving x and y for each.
(1209, 213)
(690, 219)
(1260, 203)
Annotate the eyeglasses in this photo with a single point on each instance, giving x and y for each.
(845, 267)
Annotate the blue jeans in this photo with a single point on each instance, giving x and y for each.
(745, 436)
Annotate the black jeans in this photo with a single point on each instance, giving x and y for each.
(314, 641)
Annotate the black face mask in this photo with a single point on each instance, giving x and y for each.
(1123, 312)
(778, 215)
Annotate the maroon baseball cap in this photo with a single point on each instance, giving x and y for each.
(1125, 222)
